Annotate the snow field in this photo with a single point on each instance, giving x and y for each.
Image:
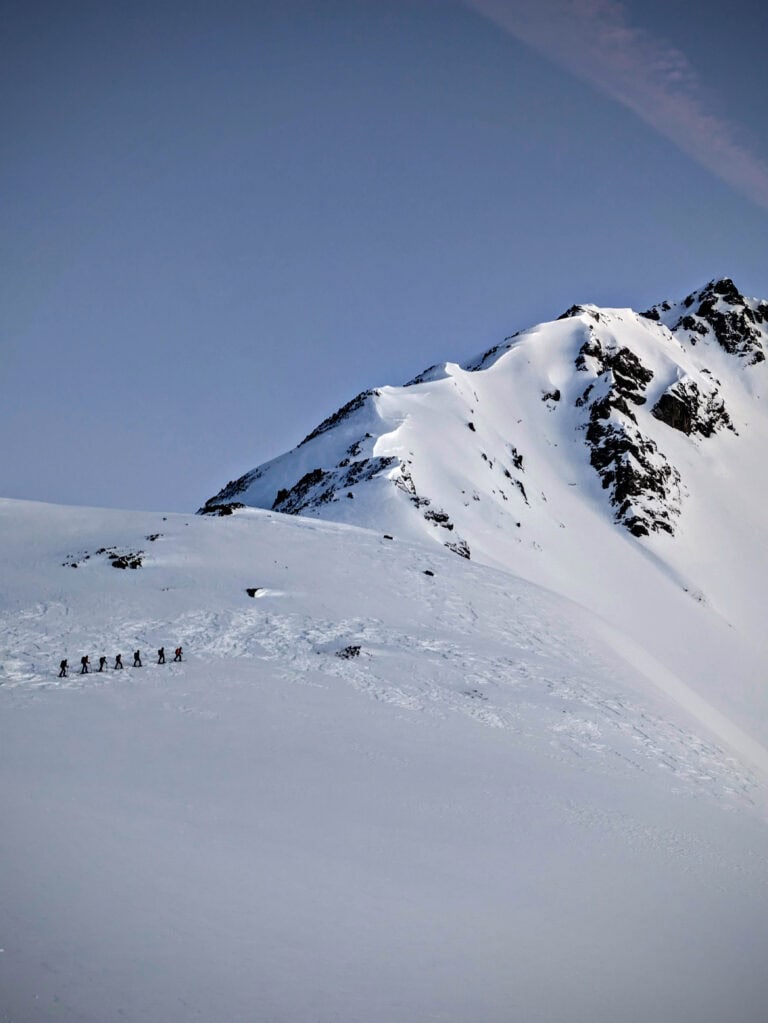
(484, 453)
(488, 814)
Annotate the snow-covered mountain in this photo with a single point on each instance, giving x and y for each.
(612, 389)
(623, 448)
(385, 783)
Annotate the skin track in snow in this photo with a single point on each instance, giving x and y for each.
(492, 811)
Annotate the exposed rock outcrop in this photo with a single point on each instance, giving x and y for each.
(719, 311)
(319, 486)
(439, 457)
(343, 413)
(644, 487)
(686, 407)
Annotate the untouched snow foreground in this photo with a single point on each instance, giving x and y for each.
(487, 814)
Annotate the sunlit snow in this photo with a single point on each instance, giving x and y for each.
(492, 812)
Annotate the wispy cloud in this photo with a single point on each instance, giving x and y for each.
(596, 40)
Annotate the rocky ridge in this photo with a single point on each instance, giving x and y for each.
(622, 396)
(719, 313)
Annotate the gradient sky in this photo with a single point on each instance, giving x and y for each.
(221, 220)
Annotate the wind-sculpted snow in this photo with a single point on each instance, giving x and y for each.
(491, 647)
(397, 436)
(532, 679)
(376, 765)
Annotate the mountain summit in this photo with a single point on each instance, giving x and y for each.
(386, 782)
(618, 406)
(615, 457)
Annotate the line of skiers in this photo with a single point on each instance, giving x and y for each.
(85, 661)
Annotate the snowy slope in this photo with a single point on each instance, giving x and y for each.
(614, 457)
(500, 808)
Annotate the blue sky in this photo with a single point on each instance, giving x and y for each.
(219, 221)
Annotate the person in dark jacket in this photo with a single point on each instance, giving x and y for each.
(63, 668)
(161, 655)
(177, 654)
(102, 663)
(118, 661)
(137, 658)
(84, 664)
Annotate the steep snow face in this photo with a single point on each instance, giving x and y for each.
(621, 448)
(609, 388)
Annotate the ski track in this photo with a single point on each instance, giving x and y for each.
(519, 686)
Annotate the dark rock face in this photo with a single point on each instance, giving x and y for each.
(439, 518)
(694, 326)
(721, 309)
(117, 557)
(130, 560)
(346, 410)
(435, 516)
(214, 507)
(685, 407)
(215, 504)
(675, 411)
(460, 547)
(420, 378)
(404, 481)
(579, 310)
(348, 652)
(655, 312)
(630, 376)
(304, 494)
(320, 485)
(517, 458)
(643, 486)
(218, 504)
(366, 469)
